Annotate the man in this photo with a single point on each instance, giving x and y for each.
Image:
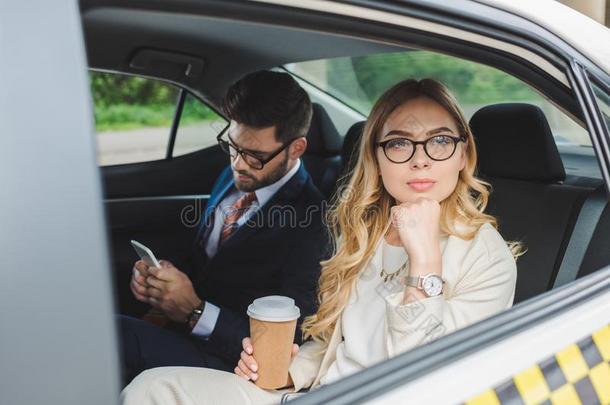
(262, 234)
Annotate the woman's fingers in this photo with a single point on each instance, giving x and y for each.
(240, 373)
(295, 350)
(249, 361)
(247, 365)
(247, 345)
(246, 371)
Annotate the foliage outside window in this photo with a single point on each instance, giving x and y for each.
(359, 81)
(134, 115)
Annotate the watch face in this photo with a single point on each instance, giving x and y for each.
(432, 285)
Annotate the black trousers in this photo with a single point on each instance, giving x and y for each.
(144, 345)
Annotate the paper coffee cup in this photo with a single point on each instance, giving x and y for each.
(273, 321)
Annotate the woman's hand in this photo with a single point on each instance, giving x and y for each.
(247, 367)
(417, 224)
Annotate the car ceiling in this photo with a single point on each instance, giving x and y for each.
(229, 48)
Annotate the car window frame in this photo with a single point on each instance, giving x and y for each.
(605, 88)
(183, 93)
(581, 84)
(465, 21)
(377, 380)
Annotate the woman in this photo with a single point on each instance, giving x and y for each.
(415, 256)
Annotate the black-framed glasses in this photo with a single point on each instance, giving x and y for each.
(251, 158)
(438, 148)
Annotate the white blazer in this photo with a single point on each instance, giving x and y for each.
(480, 276)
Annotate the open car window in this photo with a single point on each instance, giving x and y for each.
(198, 127)
(359, 81)
(133, 117)
(139, 119)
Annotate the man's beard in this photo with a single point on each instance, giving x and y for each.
(271, 178)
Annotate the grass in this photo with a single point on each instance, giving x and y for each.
(133, 116)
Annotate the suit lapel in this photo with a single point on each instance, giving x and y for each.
(217, 198)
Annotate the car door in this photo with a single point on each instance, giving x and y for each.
(553, 348)
(156, 146)
(57, 335)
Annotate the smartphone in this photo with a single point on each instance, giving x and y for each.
(145, 254)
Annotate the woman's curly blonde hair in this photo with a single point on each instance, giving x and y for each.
(361, 210)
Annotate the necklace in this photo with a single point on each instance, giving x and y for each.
(391, 276)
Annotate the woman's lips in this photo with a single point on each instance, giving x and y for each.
(421, 185)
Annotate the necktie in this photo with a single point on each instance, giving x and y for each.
(235, 212)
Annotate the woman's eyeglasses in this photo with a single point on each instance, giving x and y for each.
(438, 148)
(253, 159)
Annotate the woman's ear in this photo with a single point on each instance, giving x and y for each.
(297, 148)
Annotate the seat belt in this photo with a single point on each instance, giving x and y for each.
(586, 223)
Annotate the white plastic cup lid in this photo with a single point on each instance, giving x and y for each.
(274, 308)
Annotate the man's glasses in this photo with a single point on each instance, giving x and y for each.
(253, 159)
(439, 148)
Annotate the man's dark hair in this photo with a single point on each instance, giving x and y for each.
(263, 99)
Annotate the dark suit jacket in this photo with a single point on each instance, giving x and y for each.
(277, 252)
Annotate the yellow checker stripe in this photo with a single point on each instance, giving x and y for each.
(572, 363)
(532, 386)
(602, 341)
(488, 397)
(600, 378)
(569, 377)
(565, 395)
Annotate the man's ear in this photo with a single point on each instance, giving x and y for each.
(297, 148)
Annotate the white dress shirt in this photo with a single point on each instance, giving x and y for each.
(209, 317)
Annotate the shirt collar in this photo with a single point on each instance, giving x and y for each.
(264, 194)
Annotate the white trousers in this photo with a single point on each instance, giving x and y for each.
(195, 386)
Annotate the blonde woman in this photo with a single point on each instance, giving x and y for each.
(415, 257)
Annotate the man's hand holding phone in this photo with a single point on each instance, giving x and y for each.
(171, 291)
(164, 286)
(138, 285)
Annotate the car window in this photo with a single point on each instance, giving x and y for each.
(199, 125)
(359, 81)
(133, 117)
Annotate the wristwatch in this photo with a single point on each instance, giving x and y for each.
(431, 284)
(194, 316)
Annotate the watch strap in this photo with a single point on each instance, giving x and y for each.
(417, 282)
(194, 316)
(413, 281)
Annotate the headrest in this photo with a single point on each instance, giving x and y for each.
(349, 152)
(514, 141)
(323, 139)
